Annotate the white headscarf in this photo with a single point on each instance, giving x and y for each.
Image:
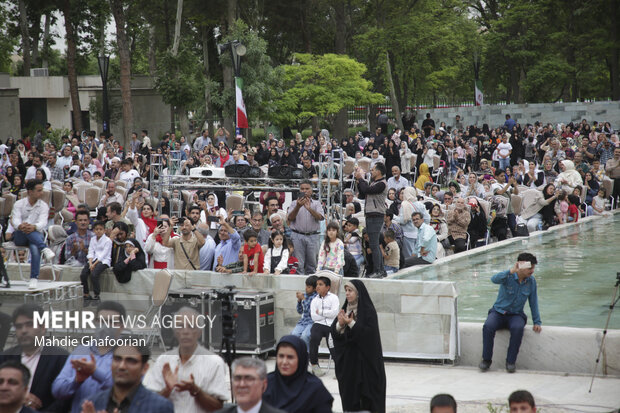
(570, 175)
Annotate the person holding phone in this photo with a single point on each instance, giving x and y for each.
(516, 286)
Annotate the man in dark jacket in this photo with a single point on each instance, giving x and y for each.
(43, 362)
(14, 379)
(375, 193)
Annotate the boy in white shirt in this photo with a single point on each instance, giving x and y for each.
(99, 256)
(323, 310)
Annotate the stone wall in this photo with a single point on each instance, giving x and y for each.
(528, 113)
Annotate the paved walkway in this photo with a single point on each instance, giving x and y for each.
(410, 387)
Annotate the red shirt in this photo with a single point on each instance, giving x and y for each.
(250, 253)
(573, 211)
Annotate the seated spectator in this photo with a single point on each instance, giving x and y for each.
(110, 195)
(17, 185)
(229, 246)
(443, 403)
(439, 224)
(43, 362)
(424, 176)
(573, 208)
(388, 223)
(353, 240)
(448, 197)
(14, 377)
(562, 207)
(349, 198)
(304, 325)
(426, 244)
(533, 178)
(99, 255)
(598, 202)
(114, 214)
(396, 181)
(458, 220)
(291, 387)
(477, 228)
(331, 253)
(568, 178)
(323, 309)
(473, 188)
(189, 375)
(128, 174)
(76, 244)
(29, 218)
(277, 254)
(134, 259)
(350, 269)
(252, 254)
(256, 223)
(186, 247)
(161, 256)
(454, 188)
(129, 365)
(87, 370)
(391, 253)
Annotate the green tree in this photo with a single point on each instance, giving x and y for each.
(321, 85)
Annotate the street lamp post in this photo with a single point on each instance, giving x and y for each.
(236, 51)
(104, 63)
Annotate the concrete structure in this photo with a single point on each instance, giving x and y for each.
(495, 115)
(47, 99)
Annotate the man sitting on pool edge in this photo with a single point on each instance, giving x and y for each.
(516, 286)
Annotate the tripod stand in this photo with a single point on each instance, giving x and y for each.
(614, 301)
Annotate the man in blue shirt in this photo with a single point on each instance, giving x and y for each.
(228, 248)
(304, 325)
(510, 123)
(516, 286)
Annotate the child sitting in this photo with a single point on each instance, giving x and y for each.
(391, 252)
(304, 325)
(293, 262)
(331, 254)
(99, 256)
(573, 208)
(598, 202)
(252, 253)
(276, 258)
(353, 240)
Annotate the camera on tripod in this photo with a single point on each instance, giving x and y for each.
(229, 311)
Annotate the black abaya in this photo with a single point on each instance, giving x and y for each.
(359, 358)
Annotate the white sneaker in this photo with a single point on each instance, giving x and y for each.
(317, 371)
(32, 285)
(48, 254)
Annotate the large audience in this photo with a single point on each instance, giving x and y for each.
(408, 198)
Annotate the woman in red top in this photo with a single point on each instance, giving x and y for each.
(253, 256)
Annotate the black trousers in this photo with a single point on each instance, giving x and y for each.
(317, 332)
(460, 244)
(94, 276)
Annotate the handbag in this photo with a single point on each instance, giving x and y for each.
(521, 231)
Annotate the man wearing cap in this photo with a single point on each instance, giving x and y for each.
(304, 216)
(250, 157)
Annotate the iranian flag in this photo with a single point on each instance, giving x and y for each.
(479, 95)
(242, 116)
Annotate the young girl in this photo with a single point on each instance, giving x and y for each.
(598, 202)
(276, 257)
(293, 262)
(562, 212)
(331, 254)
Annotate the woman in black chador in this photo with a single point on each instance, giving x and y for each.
(357, 352)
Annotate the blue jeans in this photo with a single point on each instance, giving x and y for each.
(497, 321)
(359, 259)
(504, 163)
(304, 333)
(373, 227)
(34, 241)
(389, 269)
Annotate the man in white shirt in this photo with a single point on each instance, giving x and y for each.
(190, 376)
(111, 195)
(66, 159)
(128, 174)
(29, 218)
(99, 258)
(504, 150)
(37, 162)
(88, 165)
(397, 181)
(324, 308)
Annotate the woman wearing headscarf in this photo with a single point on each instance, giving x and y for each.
(424, 176)
(410, 232)
(224, 160)
(391, 154)
(291, 387)
(549, 172)
(533, 177)
(568, 178)
(357, 352)
(132, 259)
(274, 158)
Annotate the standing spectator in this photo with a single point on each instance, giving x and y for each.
(161, 256)
(504, 150)
(375, 193)
(409, 231)
(426, 245)
(323, 309)
(304, 300)
(129, 365)
(29, 218)
(517, 285)
(331, 254)
(190, 376)
(44, 362)
(99, 255)
(304, 215)
(186, 247)
(388, 223)
(509, 124)
(228, 248)
(382, 121)
(77, 244)
(357, 352)
(276, 257)
(612, 169)
(87, 370)
(256, 222)
(428, 125)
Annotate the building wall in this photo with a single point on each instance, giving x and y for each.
(9, 114)
(528, 113)
(59, 113)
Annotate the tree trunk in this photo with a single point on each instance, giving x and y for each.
(615, 53)
(341, 122)
(46, 39)
(181, 110)
(36, 34)
(125, 67)
(205, 56)
(514, 84)
(71, 69)
(152, 52)
(23, 26)
(305, 26)
(393, 100)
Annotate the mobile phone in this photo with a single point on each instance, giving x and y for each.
(524, 265)
(238, 213)
(213, 219)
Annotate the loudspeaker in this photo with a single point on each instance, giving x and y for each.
(206, 172)
(242, 171)
(284, 172)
